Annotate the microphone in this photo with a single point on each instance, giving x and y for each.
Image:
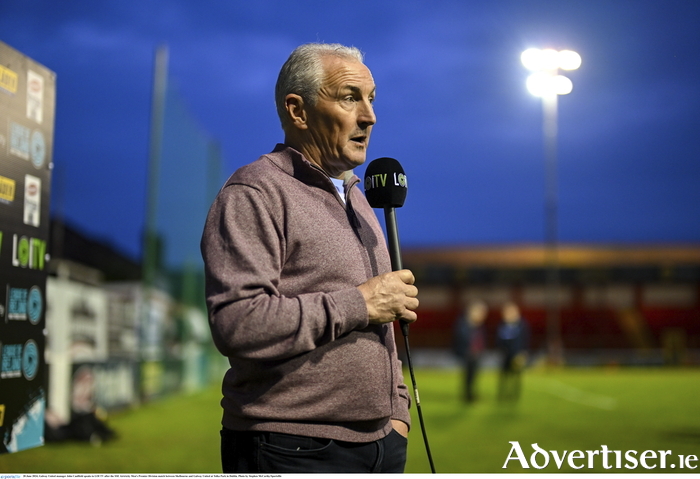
(386, 186)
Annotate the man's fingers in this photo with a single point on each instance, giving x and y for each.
(406, 276)
(408, 313)
(409, 316)
(411, 291)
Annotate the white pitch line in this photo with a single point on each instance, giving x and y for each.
(575, 395)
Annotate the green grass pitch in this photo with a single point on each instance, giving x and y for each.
(561, 409)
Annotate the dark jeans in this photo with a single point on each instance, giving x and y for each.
(269, 452)
(509, 382)
(471, 369)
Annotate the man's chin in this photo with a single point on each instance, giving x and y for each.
(350, 161)
(357, 158)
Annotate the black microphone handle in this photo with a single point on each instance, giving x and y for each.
(392, 233)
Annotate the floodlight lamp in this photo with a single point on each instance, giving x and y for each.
(535, 59)
(530, 58)
(550, 59)
(545, 84)
(537, 83)
(569, 60)
(562, 85)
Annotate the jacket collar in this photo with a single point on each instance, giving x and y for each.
(295, 164)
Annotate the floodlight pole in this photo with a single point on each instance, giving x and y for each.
(549, 128)
(548, 85)
(160, 85)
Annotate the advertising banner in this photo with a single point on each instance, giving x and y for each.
(27, 100)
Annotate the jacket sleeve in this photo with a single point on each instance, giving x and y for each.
(243, 250)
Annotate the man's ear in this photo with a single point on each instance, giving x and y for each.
(296, 109)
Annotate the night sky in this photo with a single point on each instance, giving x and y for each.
(452, 106)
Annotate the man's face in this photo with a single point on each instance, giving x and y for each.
(511, 314)
(340, 123)
(477, 314)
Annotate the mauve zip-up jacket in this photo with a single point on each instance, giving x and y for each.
(283, 258)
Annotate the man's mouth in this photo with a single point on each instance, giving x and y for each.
(360, 139)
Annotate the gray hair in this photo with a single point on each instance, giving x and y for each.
(302, 73)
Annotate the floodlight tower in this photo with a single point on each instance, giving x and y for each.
(546, 83)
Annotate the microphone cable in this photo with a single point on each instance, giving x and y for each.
(404, 330)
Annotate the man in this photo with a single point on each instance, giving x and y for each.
(513, 337)
(468, 345)
(299, 288)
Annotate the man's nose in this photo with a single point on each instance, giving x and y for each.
(366, 116)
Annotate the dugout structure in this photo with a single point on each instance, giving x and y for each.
(626, 304)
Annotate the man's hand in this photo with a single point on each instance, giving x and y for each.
(391, 296)
(400, 427)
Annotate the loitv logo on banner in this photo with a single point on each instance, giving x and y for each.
(28, 252)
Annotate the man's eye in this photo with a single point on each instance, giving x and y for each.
(349, 98)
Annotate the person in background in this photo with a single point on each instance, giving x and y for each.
(468, 345)
(512, 340)
(300, 292)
